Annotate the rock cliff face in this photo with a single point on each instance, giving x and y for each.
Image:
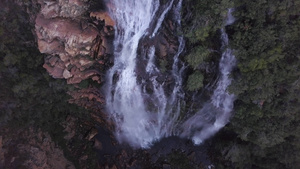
(75, 44)
(78, 44)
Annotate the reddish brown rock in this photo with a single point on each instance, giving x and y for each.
(55, 71)
(69, 34)
(103, 16)
(89, 93)
(62, 8)
(76, 49)
(92, 133)
(53, 61)
(67, 74)
(166, 44)
(79, 76)
(54, 46)
(73, 46)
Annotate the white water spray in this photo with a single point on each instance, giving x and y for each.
(141, 117)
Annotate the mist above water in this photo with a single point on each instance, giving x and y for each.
(142, 117)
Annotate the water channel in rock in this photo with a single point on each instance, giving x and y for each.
(142, 117)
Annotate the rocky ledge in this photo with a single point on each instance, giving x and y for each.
(78, 44)
(75, 41)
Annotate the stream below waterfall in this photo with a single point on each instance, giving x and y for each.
(142, 117)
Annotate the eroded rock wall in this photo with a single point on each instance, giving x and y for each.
(74, 40)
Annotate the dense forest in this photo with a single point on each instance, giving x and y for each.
(264, 130)
(29, 97)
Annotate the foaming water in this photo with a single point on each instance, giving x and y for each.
(142, 117)
(215, 114)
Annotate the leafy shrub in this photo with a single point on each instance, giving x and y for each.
(195, 81)
(197, 56)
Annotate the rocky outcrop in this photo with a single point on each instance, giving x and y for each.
(62, 8)
(75, 45)
(88, 98)
(166, 43)
(78, 44)
(100, 15)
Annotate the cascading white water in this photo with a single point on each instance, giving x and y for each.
(215, 114)
(125, 102)
(141, 117)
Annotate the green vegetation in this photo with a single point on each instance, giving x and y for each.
(29, 97)
(266, 39)
(163, 65)
(264, 131)
(195, 81)
(197, 56)
(179, 160)
(202, 21)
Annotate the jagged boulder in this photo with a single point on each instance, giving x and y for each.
(73, 46)
(62, 8)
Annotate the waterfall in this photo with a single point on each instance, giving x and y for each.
(135, 123)
(143, 117)
(215, 114)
